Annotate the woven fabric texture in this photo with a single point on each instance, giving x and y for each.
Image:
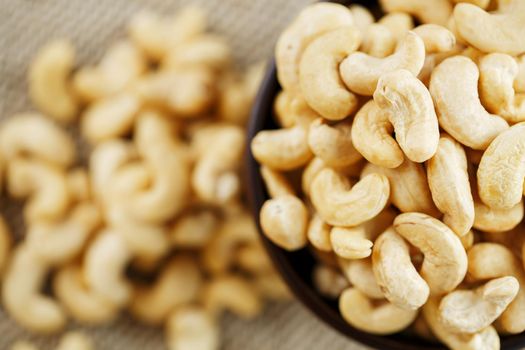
(252, 27)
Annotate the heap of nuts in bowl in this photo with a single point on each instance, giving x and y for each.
(411, 145)
(162, 117)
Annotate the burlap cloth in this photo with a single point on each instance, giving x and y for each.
(252, 27)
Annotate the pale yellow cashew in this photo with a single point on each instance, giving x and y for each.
(253, 258)
(497, 220)
(78, 184)
(104, 264)
(497, 73)
(340, 204)
(363, 18)
(519, 81)
(284, 221)
(21, 294)
(428, 11)
(399, 23)
(75, 340)
(319, 78)
(194, 229)
(59, 242)
(507, 33)
(350, 242)
(208, 50)
(445, 261)
(30, 134)
(457, 103)
(276, 183)
(43, 184)
(49, 86)
(233, 293)
(318, 233)
(433, 60)
(360, 275)
(409, 189)
(110, 117)
(333, 143)
(470, 311)
(436, 38)
(156, 35)
(487, 339)
(378, 41)
(409, 107)
(191, 327)
(492, 260)
(179, 283)
(121, 65)
(328, 281)
(81, 302)
(502, 169)
(372, 137)
(450, 187)
(282, 109)
(311, 22)
(215, 177)
(361, 72)
(468, 240)
(5, 245)
(315, 166)
(395, 273)
(358, 310)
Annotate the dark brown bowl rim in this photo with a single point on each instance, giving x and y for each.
(304, 292)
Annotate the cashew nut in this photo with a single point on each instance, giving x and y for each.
(191, 327)
(252, 258)
(436, 38)
(350, 242)
(378, 41)
(457, 103)
(318, 233)
(408, 105)
(208, 50)
(470, 311)
(284, 221)
(399, 23)
(362, 17)
(360, 275)
(428, 11)
(361, 72)
(445, 261)
(78, 185)
(507, 33)
(519, 81)
(328, 281)
(49, 81)
(449, 184)
(276, 183)
(339, 204)
(312, 22)
(319, 77)
(194, 229)
(75, 340)
(359, 311)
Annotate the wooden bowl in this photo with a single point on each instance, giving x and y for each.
(296, 267)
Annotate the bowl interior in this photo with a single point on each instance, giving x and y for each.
(296, 267)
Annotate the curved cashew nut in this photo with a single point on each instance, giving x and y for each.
(378, 41)
(5, 244)
(328, 281)
(507, 34)
(458, 106)
(502, 169)
(43, 184)
(399, 23)
(497, 73)
(350, 242)
(215, 176)
(75, 340)
(497, 220)
(232, 293)
(156, 35)
(81, 302)
(395, 274)
(409, 107)
(110, 117)
(104, 265)
(445, 262)
(122, 64)
(282, 109)
(358, 310)
(470, 311)
(284, 221)
(362, 17)
(409, 189)
(253, 258)
(339, 204)
(371, 136)
(178, 284)
(361, 72)
(450, 187)
(21, 295)
(318, 233)
(313, 21)
(58, 243)
(319, 78)
(333, 143)
(429, 11)
(31, 134)
(49, 81)
(361, 276)
(208, 50)
(276, 183)
(194, 229)
(486, 339)
(436, 38)
(191, 327)
(492, 260)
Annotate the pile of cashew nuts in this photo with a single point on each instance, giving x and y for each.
(151, 219)
(400, 163)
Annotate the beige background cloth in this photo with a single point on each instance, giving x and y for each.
(92, 25)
